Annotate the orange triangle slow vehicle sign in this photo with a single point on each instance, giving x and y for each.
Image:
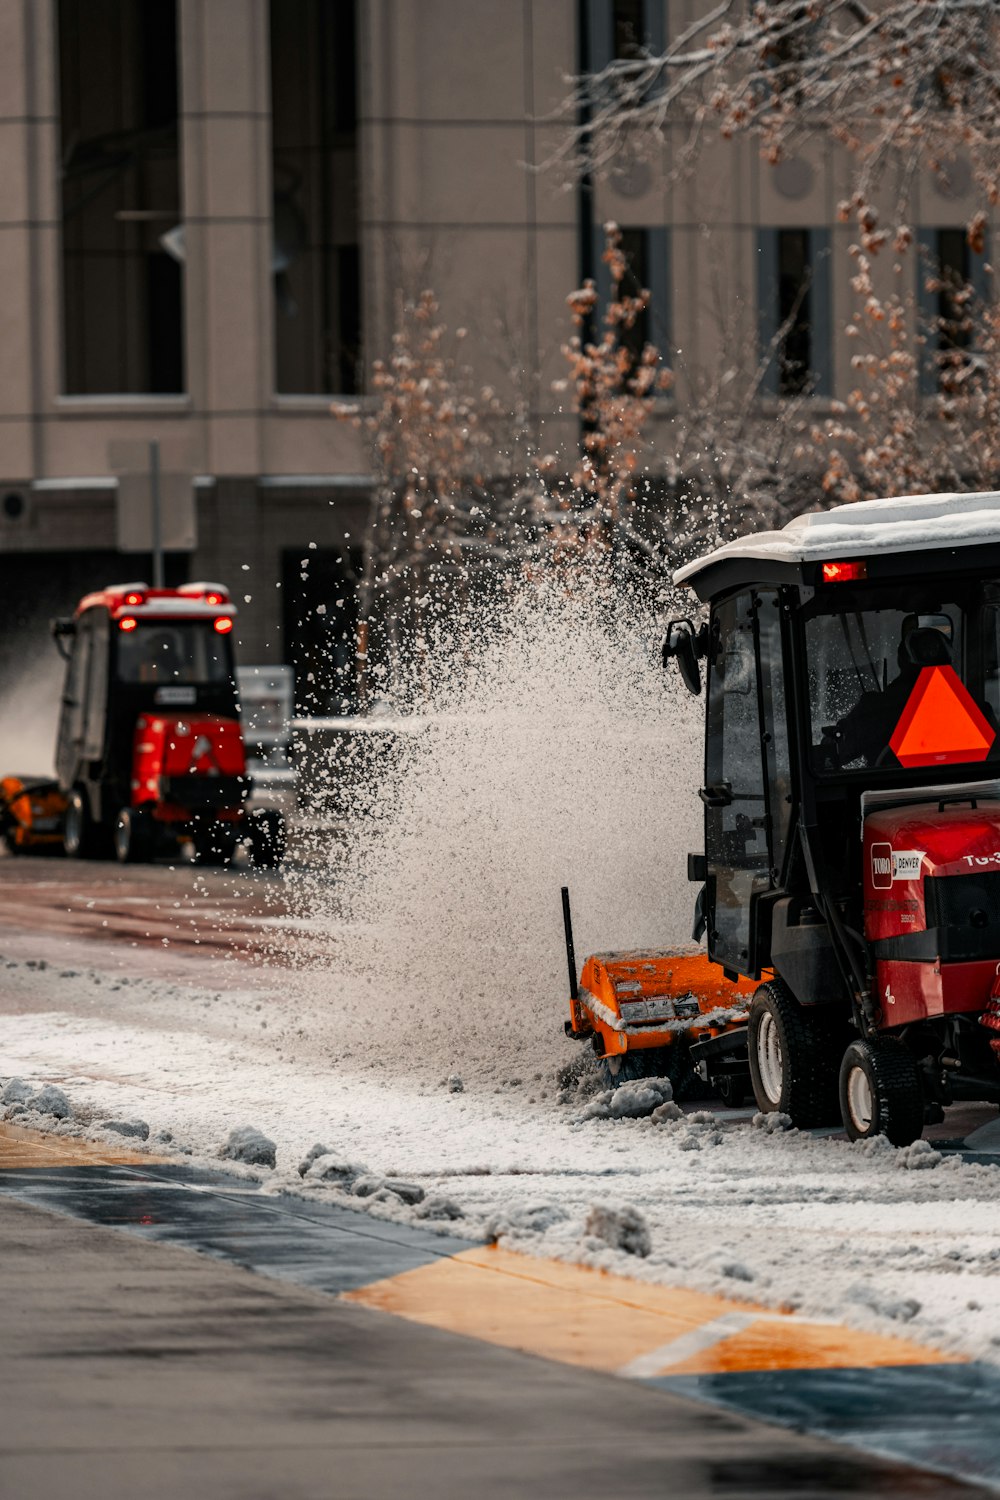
(941, 724)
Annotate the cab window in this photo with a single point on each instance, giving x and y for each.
(172, 651)
(869, 668)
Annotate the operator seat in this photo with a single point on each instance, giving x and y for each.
(864, 733)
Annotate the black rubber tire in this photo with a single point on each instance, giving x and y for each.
(82, 837)
(673, 1062)
(215, 844)
(808, 1053)
(266, 827)
(731, 1090)
(897, 1096)
(134, 836)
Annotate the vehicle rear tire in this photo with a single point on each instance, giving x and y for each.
(881, 1092)
(215, 845)
(134, 836)
(793, 1058)
(82, 837)
(267, 837)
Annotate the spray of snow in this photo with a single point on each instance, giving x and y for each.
(552, 752)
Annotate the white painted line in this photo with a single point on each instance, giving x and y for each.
(645, 1366)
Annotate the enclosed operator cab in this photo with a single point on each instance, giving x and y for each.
(851, 858)
(149, 749)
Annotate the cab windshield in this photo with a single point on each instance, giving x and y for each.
(179, 652)
(913, 682)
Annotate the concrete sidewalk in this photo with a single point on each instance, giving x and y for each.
(135, 1369)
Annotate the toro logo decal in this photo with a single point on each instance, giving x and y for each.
(882, 867)
(889, 865)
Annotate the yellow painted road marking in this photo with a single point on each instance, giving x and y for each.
(32, 1148)
(603, 1322)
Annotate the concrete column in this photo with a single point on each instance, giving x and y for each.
(29, 235)
(225, 136)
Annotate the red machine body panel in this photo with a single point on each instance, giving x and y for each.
(910, 992)
(169, 747)
(903, 847)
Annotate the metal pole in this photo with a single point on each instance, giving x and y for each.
(154, 491)
(574, 988)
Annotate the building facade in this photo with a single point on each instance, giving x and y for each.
(210, 211)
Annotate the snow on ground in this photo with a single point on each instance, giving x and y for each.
(881, 1239)
(424, 1043)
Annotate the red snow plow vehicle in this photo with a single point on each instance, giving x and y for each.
(149, 750)
(850, 876)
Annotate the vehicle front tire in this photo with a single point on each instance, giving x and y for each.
(82, 837)
(133, 836)
(793, 1058)
(881, 1092)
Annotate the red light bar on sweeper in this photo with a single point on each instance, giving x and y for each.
(844, 572)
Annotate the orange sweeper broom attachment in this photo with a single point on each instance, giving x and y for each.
(645, 1013)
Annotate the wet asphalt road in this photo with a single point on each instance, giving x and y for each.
(134, 1367)
(199, 911)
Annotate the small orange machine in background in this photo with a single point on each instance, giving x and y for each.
(31, 813)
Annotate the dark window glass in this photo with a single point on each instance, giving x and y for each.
(122, 290)
(864, 664)
(317, 294)
(794, 308)
(629, 27)
(954, 330)
(635, 244)
(736, 843)
(174, 651)
(777, 755)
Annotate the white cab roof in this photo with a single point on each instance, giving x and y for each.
(909, 523)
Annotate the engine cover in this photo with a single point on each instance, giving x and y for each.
(189, 760)
(932, 906)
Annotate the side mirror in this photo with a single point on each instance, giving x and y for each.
(63, 631)
(687, 645)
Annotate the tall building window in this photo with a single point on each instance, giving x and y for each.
(316, 263)
(647, 251)
(946, 268)
(635, 243)
(618, 30)
(122, 288)
(794, 310)
(628, 19)
(795, 352)
(954, 267)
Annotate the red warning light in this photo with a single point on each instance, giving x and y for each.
(128, 623)
(224, 624)
(942, 724)
(844, 572)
